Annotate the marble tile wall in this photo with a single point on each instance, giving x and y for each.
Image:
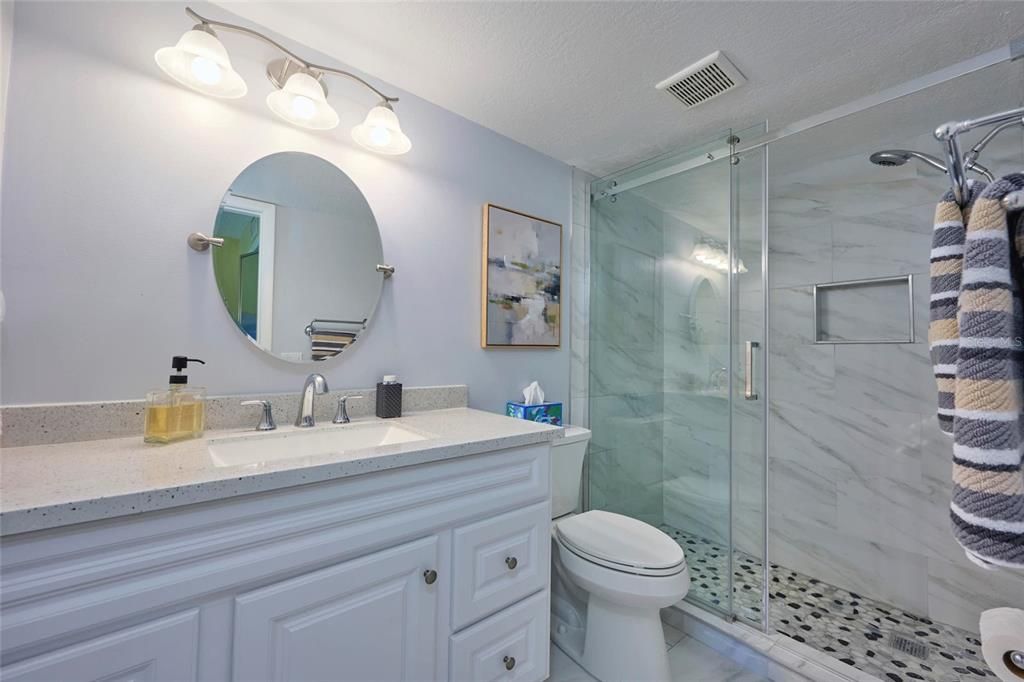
(858, 471)
(696, 360)
(625, 357)
(579, 285)
(655, 363)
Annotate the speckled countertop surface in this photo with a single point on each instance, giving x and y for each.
(46, 486)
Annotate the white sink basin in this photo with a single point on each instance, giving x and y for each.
(269, 447)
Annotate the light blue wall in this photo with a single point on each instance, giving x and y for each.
(109, 165)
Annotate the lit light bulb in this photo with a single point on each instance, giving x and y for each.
(199, 61)
(380, 136)
(206, 71)
(302, 102)
(303, 107)
(381, 132)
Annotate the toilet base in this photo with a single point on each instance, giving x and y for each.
(624, 643)
(616, 643)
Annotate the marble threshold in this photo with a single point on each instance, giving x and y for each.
(774, 656)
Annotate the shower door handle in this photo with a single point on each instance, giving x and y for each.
(748, 371)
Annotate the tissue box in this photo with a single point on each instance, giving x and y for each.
(545, 413)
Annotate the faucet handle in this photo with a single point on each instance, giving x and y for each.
(267, 420)
(341, 416)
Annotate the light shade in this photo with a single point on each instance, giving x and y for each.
(199, 61)
(301, 101)
(380, 132)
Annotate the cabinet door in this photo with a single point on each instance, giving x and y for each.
(371, 618)
(163, 650)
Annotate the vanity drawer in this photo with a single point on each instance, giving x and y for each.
(499, 561)
(510, 645)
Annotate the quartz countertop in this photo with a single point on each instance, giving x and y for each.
(46, 486)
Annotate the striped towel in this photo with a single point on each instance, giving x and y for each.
(946, 267)
(988, 480)
(326, 344)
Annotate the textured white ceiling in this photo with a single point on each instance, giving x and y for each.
(575, 80)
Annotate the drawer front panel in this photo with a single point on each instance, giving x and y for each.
(510, 645)
(499, 561)
(162, 650)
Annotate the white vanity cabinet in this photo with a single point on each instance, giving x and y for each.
(430, 572)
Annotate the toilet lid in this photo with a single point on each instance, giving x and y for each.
(620, 540)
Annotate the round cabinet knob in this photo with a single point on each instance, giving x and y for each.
(511, 562)
(510, 662)
(430, 576)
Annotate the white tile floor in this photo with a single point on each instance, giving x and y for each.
(689, 660)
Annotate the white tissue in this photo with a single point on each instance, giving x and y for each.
(533, 394)
(1002, 631)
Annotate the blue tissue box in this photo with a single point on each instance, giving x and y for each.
(545, 413)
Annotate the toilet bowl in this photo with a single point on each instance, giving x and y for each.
(611, 576)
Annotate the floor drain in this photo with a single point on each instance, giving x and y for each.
(908, 645)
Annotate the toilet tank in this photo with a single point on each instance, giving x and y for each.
(567, 470)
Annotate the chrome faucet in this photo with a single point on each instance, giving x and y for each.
(315, 383)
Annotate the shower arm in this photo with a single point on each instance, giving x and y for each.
(956, 162)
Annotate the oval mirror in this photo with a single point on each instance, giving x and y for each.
(298, 268)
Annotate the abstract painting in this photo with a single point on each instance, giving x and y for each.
(522, 280)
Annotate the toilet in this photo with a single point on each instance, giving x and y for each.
(611, 576)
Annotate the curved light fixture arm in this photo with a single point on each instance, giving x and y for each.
(291, 55)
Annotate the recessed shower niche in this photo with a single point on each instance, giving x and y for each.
(878, 310)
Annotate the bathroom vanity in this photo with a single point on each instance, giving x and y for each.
(407, 549)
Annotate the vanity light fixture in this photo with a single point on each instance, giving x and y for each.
(303, 101)
(200, 61)
(380, 132)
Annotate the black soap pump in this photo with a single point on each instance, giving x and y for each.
(179, 411)
(389, 397)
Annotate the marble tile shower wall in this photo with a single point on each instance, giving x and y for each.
(859, 474)
(661, 426)
(625, 358)
(696, 358)
(579, 286)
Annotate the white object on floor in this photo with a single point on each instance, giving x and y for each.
(612, 576)
(1002, 642)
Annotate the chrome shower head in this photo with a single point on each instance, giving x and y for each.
(889, 158)
(898, 157)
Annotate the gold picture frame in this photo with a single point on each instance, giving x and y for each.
(527, 311)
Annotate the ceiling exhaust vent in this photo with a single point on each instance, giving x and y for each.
(710, 77)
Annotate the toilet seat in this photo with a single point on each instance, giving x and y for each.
(621, 543)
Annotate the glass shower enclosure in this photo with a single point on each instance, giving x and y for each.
(676, 345)
(760, 386)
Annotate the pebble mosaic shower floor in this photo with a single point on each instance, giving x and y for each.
(851, 628)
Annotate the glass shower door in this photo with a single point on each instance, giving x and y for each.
(673, 259)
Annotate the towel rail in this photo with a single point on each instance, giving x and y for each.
(310, 328)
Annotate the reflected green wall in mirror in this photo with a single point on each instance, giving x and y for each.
(241, 235)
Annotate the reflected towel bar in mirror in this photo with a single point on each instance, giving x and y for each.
(311, 327)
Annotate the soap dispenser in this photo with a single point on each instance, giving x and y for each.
(179, 412)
